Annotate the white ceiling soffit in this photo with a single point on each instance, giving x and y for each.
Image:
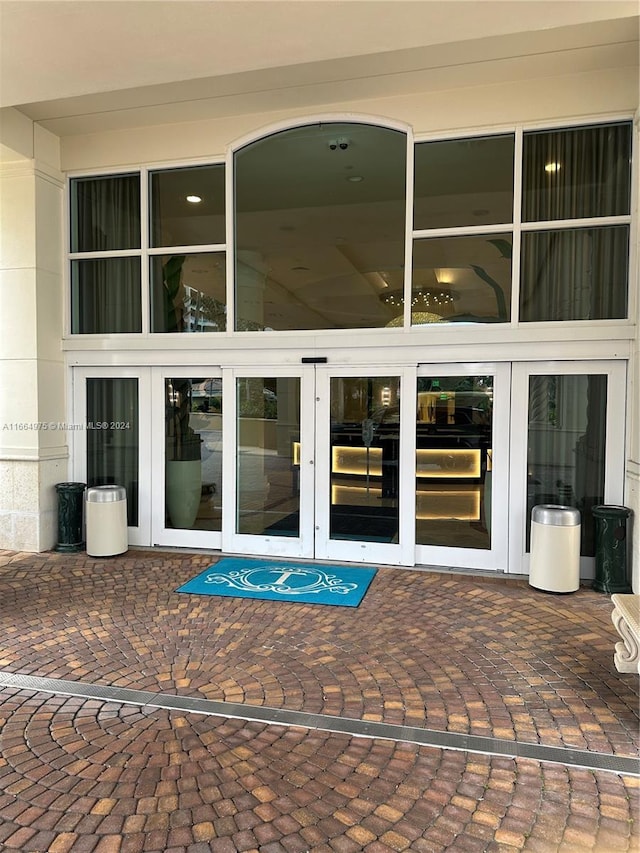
(78, 67)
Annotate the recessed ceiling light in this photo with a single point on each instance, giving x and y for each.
(355, 179)
(194, 199)
(552, 167)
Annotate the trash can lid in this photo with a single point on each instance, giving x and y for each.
(106, 494)
(603, 511)
(562, 516)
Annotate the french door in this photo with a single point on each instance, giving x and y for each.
(433, 465)
(320, 464)
(396, 466)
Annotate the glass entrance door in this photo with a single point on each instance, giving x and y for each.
(461, 482)
(269, 504)
(365, 466)
(320, 465)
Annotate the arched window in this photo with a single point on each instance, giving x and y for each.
(319, 227)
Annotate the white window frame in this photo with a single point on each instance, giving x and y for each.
(614, 462)
(140, 534)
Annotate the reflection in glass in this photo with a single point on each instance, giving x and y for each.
(320, 227)
(460, 279)
(365, 453)
(463, 182)
(566, 446)
(105, 296)
(105, 213)
(177, 221)
(188, 293)
(574, 274)
(577, 172)
(113, 438)
(193, 461)
(268, 472)
(454, 461)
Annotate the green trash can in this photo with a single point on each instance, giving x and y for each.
(70, 506)
(612, 556)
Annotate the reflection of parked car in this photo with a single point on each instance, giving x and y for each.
(386, 414)
(207, 397)
(208, 388)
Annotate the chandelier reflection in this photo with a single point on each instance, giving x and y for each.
(418, 318)
(421, 299)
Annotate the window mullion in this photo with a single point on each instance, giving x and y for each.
(463, 230)
(185, 250)
(145, 288)
(561, 224)
(408, 259)
(517, 226)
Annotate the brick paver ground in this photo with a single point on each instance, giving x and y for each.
(441, 651)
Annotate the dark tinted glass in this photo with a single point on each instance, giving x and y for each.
(113, 438)
(454, 428)
(193, 462)
(188, 293)
(320, 222)
(577, 274)
(577, 173)
(463, 182)
(566, 447)
(105, 213)
(461, 279)
(177, 217)
(105, 296)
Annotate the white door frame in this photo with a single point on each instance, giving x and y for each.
(301, 546)
(161, 534)
(495, 557)
(140, 534)
(356, 551)
(614, 450)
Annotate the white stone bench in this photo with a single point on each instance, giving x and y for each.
(626, 618)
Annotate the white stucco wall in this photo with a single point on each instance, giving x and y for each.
(602, 93)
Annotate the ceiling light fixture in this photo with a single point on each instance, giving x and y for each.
(355, 179)
(552, 167)
(194, 199)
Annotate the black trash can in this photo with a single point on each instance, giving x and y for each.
(70, 506)
(612, 554)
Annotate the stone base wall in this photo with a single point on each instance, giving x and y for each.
(28, 503)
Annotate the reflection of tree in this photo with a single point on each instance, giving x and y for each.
(182, 442)
(255, 401)
(505, 249)
(171, 281)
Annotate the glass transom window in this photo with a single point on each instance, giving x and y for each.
(319, 226)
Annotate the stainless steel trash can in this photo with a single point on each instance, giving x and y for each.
(555, 548)
(106, 521)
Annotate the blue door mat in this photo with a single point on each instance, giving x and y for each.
(276, 580)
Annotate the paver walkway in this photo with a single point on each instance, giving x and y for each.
(434, 651)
